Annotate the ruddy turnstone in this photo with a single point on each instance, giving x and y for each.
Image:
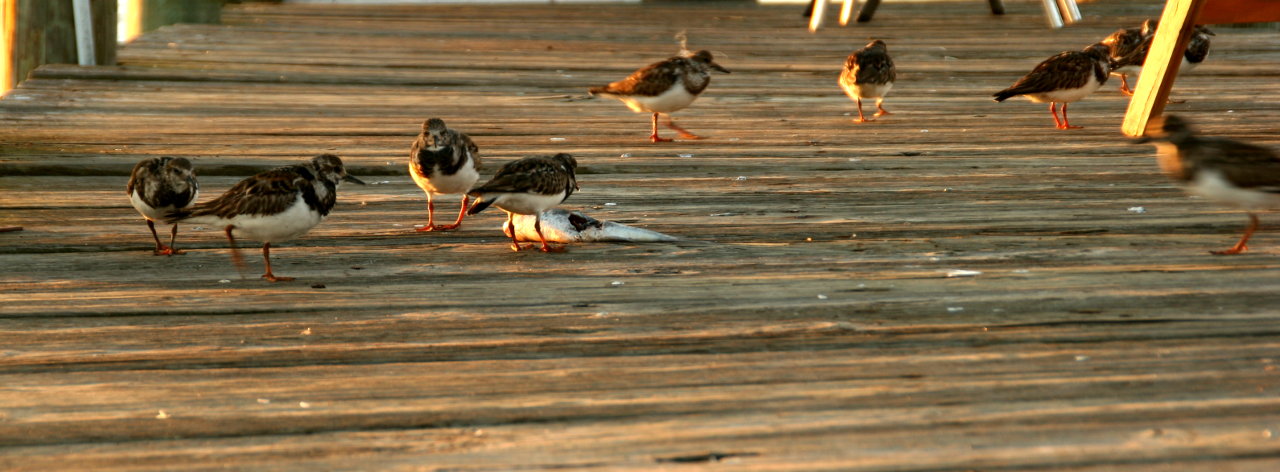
(1064, 78)
(159, 186)
(664, 87)
(1197, 49)
(869, 73)
(1221, 169)
(528, 186)
(273, 206)
(443, 161)
(1128, 50)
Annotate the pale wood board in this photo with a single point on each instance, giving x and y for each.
(806, 321)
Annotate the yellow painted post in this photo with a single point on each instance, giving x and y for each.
(1161, 68)
(8, 36)
(38, 32)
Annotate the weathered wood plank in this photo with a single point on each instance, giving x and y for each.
(807, 322)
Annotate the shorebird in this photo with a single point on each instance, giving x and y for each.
(443, 161)
(1063, 78)
(664, 87)
(528, 186)
(1197, 49)
(273, 206)
(159, 186)
(869, 73)
(1221, 169)
(1127, 49)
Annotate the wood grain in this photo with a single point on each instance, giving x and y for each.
(956, 286)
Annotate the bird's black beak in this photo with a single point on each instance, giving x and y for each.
(353, 179)
(717, 67)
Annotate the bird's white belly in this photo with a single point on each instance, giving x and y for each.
(154, 214)
(294, 222)
(673, 99)
(1212, 185)
(441, 184)
(1067, 95)
(1129, 70)
(527, 204)
(1186, 65)
(867, 90)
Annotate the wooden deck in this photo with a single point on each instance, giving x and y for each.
(809, 321)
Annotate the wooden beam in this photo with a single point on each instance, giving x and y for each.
(83, 21)
(38, 32)
(8, 35)
(1161, 67)
(106, 14)
(1239, 11)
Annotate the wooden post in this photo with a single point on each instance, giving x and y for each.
(8, 37)
(147, 15)
(1169, 44)
(1164, 58)
(815, 16)
(38, 32)
(83, 22)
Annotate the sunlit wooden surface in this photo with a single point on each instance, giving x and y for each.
(956, 286)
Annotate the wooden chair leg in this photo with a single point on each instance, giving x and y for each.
(868, 10)
(1070, 11)
(846, 11)
(815, 15)
(1161, 67)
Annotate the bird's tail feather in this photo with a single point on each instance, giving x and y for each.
(1006, 94)
(479, 206)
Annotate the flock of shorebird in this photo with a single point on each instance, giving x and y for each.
(286, 202)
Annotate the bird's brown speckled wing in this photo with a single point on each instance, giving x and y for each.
(144, 169)
(267, 193)
(869, 66)
(1067, 70)
(539, 174)
(649, 81)
(1246, 165)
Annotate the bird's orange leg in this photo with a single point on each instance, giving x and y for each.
(1124, 85)
(161, 249)
(1053, 109)
(683, 132)
(511, 231)
(431, 216)
(537, 226)
(461, 214)
(653, 136)
(266, 256)
(1240, 246)
(236, 259)
(861, 118)
(1066, 124)
(880, 111)
(173, 236)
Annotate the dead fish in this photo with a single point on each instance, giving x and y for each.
(573, 226)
